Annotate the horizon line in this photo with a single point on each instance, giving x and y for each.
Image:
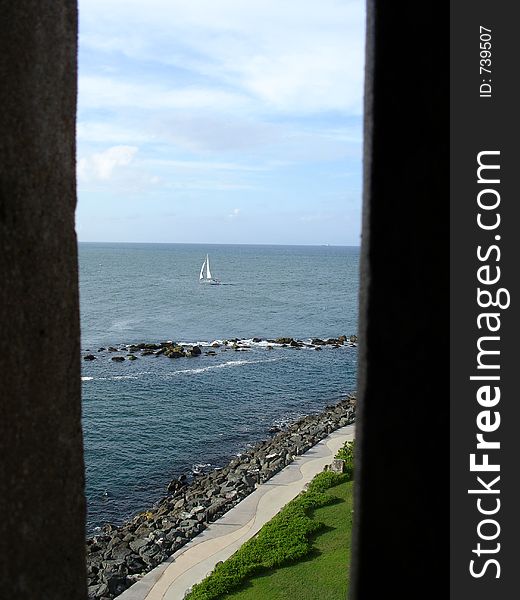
(224, 244)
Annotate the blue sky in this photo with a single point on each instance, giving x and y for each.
(220, 121)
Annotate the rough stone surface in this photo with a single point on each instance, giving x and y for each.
(42, 541)
(401, 229)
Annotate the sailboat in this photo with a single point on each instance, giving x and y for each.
(205, 277)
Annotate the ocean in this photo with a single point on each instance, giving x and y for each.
(152, 419)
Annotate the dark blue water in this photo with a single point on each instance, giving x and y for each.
(149, 420)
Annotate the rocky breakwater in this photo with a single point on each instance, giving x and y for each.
(121, 555)
(172, 349)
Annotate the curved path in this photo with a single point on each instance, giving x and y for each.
(195, 560)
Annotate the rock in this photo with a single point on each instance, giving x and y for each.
(89, 357)
(132, 357)
(295, 344)
(195, 351)
(123, 554)
(317, 348)
(331, 341)
(215, 345)
(353, 339)
(337, 466)
(318, 342)
(342, 339)
(101, 349)
(177, 484)
(112, 349)
(256, 340)
(147, 353)
(174, 352)
(118, 358)
(283, 340)
(117, 585)
(96, 591)
(137, 544)
(148, 551)
(274, 429)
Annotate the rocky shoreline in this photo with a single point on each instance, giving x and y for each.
(171, 349)
(120, 556)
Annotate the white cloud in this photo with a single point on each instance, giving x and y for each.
(201, 165)
(234, 213)
(297, 56)
(93, 131)
(101, 165)
(108, 92)
(314, 218)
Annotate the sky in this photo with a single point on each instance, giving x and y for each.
(220, 121)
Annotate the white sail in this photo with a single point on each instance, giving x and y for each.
(202, 270)
(208, 272)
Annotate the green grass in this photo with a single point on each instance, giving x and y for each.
(323, 574)
(303, 553)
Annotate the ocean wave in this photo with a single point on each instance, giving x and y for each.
(229, 363)
(195, 371)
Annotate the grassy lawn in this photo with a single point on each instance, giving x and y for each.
(302, 553)
(323, 574)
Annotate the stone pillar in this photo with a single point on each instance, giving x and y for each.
(42, 505)
(401, 535)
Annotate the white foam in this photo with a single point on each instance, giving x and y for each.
(196, 371)
(229, 363)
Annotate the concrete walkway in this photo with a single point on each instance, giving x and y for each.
(194, 561)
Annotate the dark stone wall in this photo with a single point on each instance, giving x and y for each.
(401, 536)
(42, 506)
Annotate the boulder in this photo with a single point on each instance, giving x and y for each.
(195, 351)
(174, 352)
(118, 358)
(132, 357)
(89, 357)
(96, 591)
(121, 552)
(318, 342)
(283, 340)
(135, 564)
(117, 584)
(137, 544)
(337, 466)
(256, 340)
